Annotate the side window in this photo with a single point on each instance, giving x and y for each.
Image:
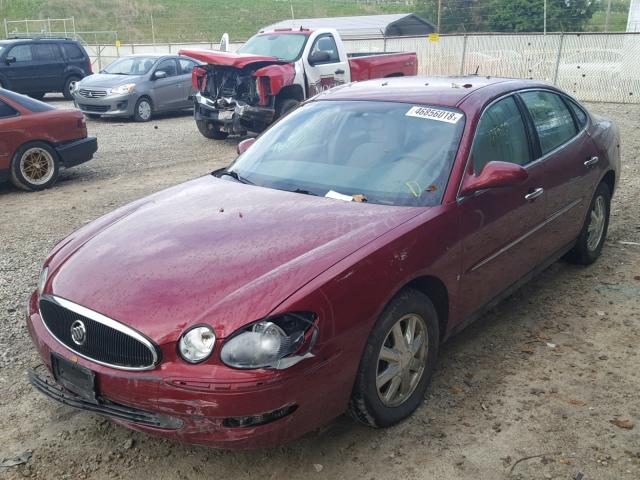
(6, 110)
(72, 51)
(551, 117)
(46, 52)
(500, 136)
(186, 66)
(579, 113)
(326, 44)
(22, 53)
(168, 66)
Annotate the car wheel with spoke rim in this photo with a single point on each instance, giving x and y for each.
(35, 166)
(143, 110)
(69, 86)
(397, 362)
(589, 244)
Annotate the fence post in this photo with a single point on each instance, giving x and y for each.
(555, 74)
(99, 57)
(464, 54)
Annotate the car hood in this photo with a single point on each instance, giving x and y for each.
(228, 59)
(211, 251)
(107, 80)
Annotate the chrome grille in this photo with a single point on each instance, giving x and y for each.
(92, 93)
(106, 341)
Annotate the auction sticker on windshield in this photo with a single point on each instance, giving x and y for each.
(434, 114)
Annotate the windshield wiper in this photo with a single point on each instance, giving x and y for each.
(303, 192)
(235, 176)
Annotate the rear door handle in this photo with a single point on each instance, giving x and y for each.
(535, 194)
(591, 162)
(339, 72)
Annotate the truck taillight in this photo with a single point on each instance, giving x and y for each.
(198, 75)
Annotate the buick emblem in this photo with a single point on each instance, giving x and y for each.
(78, 332)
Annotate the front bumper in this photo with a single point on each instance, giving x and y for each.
(77, 152)
(235, 118)
(109, 106)
(168, 402)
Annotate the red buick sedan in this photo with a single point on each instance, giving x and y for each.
(36, 140)
(321, 271)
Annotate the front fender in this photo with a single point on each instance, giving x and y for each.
(276, 77)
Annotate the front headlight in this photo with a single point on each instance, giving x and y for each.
(123, 89)
(196, 344)
(271, 343)
(42, 280)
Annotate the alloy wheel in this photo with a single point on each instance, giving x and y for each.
(37, 166)
(402, 360)
(596, 223)
(144, 110)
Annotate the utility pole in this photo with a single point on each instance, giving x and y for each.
(545, 17)
(440, 13)
(606, 20)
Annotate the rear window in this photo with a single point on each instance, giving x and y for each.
(551, 117)
(580, 114)
(73, 52)
(27, 102)
(6, 110)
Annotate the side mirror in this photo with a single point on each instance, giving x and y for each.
(495, 175)
(10, 60)
(319, 57)
(245, 144)
(160, 74)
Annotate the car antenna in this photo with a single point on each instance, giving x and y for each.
(477, 70)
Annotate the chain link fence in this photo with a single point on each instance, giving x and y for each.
(592, 67)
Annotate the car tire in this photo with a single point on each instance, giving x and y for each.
(285, 106)
(143, 110)
(211, 130)
(69, 85)
(35, 166)
(589, 245)
(379, 399)
(38, 95)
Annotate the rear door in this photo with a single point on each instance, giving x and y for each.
(185, 68)
(566, 149)
(168, 91)
(21, 70)
(500, 226)
(323, 66)
(50, 65)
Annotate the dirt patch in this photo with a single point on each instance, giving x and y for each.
(538, 388)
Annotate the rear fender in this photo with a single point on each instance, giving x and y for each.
(272, 79)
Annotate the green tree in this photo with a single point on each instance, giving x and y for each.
(528, 16)
(455, 15)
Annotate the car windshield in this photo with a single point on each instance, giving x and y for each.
(131, 66)
(284, 46)
(379, 152)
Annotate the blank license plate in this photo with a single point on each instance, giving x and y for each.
(225, 115)
(74, 377)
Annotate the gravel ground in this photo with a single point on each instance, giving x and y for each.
(527, 392)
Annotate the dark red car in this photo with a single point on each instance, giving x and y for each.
(36, 139)
(321, 271)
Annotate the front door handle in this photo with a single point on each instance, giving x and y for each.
(535, 194)
(591, 162)
(339, 72)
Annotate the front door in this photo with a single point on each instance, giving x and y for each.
(325, 69)
(21, 71)
(168, 91)
(500, 227)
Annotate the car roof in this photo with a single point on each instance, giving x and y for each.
(36, 39)
(447, 91)
(154, 55)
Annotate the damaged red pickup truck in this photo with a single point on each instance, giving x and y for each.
(273, 72)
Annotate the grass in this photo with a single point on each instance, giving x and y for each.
(184, 20)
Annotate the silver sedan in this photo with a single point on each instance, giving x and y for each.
(137, 86)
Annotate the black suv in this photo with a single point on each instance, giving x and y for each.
(36, 66)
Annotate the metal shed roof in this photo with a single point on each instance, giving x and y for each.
(391, 25)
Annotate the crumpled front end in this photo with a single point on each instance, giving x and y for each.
(240, 99)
